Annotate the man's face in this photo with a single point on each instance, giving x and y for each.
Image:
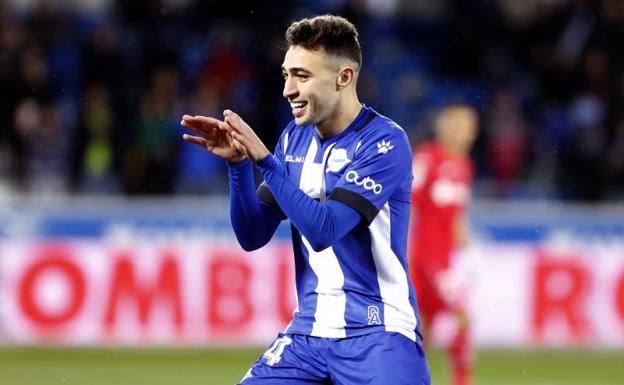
(456, 129)
(310, 86)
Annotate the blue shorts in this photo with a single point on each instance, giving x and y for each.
(372, 359)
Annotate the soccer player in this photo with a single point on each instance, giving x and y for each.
(440, 191)
(341, 173)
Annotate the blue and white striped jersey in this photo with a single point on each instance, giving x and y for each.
(360, 284)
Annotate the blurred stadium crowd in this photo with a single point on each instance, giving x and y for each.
(91, 92)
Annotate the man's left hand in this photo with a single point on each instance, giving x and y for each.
(244, 136)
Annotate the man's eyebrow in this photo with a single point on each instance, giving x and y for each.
(296, 70)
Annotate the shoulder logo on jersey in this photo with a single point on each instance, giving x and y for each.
(294, 159)
(366, 182)
(338, 158)
(383, 147)
(373, 315)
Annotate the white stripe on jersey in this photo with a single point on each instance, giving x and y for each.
(285, 142)
(399, 314)
(329, 318)
(331, 300)
(309, 181)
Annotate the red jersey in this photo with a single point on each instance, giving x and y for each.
(440, 193)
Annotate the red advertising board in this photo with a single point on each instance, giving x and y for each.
(94, 292)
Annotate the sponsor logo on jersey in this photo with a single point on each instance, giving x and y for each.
(366, 182)
(294, 159)
(383, 147)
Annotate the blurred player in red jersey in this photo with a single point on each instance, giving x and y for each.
(443, 175)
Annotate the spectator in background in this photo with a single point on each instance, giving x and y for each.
(151, 161)
(101, 54)
(228, 70)
(201, 172)
(94, 150)
(507, 142)
(581, 171)
(226, 67)
(33, 90)
(615, 161)
(549, 54)
(12, 36)
(45, 148)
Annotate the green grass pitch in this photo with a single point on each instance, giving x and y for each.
(114, 366)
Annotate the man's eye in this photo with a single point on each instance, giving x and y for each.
(303, 78)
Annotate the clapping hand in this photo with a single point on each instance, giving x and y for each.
(214, 136)
(244, 138)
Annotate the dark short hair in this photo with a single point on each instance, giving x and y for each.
(454, 106)
(335, 34)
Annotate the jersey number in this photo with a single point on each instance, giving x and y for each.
(274, 354)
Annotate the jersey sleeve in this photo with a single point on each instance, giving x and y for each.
(381, 167)
(264, 193)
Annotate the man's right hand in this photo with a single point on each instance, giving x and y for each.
(213, 136)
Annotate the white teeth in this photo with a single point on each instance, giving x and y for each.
(298, 104)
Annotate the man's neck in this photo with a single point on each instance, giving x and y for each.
(452, 151)
(342, 117)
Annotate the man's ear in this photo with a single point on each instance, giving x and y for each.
(346, 77)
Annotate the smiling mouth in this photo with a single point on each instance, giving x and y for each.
(298, 108)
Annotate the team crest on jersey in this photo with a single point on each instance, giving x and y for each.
(373, 315)
(337, 159)
(383, 147)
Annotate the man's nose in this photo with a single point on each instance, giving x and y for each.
(290, 88)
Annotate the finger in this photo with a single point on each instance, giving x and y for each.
(235, 124)
(238, 147)
(206, 133)
(236, 140)
(231, 124)
(229, 114)
(198, 118)
(188, 120)
(195, 139)
(223, 126)
(207, 120)
(201, 122)
(207, 127)
(239, 138)
(233, 116)
(234, 143)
